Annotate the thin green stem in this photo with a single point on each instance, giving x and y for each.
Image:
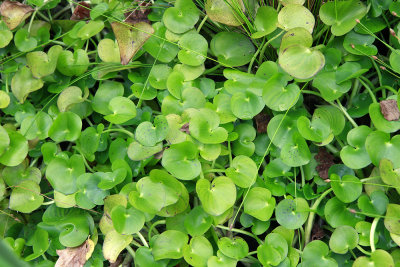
(354, 92)
(372, 233)
(202, 23)
(363, 250)
(214, 170)
(142, 239)
(130, 251)
(153, 227)
(32, 18)
(364, 82)
(240, 232)
(255, 56)
(212, 69)
(344, 111)
(391, 89)
(310, 220)
(119, 130)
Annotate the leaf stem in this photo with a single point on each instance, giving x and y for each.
(339, 106)
(153, 227)
(240, 232)
(130, 251)
(363, 250)
(202, 23)
(119, 130)
(311, 216)
(142, 239)
(364, 83)
(372, 233)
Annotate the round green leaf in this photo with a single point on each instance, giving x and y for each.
(198, 251)
(232, 48)
(243, 171)
(182, 17)
(17, 150)
(379, 146)
(66, 127)
(204, 126)
(26, 197)
(122, 108)
(108, 51)
(197, 222)
(23, 41)
(235, 248)
(148, 134)
(355, 155)
(338, 214)
(346, 188)
(23, 83)
(246, 105)
(295, 152)
(265, 22)
(379, 258)
(343, 238)
(293, 15)
(316, 253)
(292, 213)
(169, 245)
(223, 11)
(73, 64)
(278, 96)
(259, 203)
(218, 196)
(194, 49)
(127, 221)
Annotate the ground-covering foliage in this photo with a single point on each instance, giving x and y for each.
(201, 133)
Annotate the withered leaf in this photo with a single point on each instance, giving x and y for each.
(14, 13)
(75, 257)
(138, 13)
(185, 128)
(262, 120)
(130, 38)
(325, 161)
(390, 110)
(81, 11)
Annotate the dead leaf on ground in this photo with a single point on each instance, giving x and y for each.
(75, 257)
(14, 13)
(325, 161)
(139, 12)
(390, 110)
(130, 38)
(185, 128)
(81, 11)
(262, 119)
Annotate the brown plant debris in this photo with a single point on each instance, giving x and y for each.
(185, 128)
(325, 161)
(390, 110)
(75, 257)
(262, 120)
(81, 11)
(14, 13)
(139, 12)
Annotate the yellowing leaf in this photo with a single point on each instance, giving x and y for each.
(14, 13)
(130, 38)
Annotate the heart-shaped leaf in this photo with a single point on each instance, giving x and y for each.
(130, 38)
(273, 251)
(181, 160)
(342, 16)
(197, 222)
(218, 196)
(169, 245)
(127, 221)
(295, 152)
(360, 44)
(204, 126)
(123, 110)
(17, 150)
(23, 83)
(25, 197)
(235, 248)
(104, 94)
(259, 203)
(343, 238)
(379, 146)
(90, 29)
(325, 82)
(355, 154)
(242, 171)
(316, 253)
(66, 127)
(63, 173)
(376, 203)
(279, 97)
(338, 214)
(266, 21)
(5, 37)
(392, 217)
(293, 15)
(22, 172)
(182, 17)
(108, 51)
(232, 48)
(73, 64)
(198, 251)
(292, 213)
(223, 11)
(42, 64)
(148, 134)
(379, 258)
(68, 97)
(346, 188)
(137, 151)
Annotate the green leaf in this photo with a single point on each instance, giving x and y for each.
(17, 150)
(293, 15)
(26, 197)
(114, 244)
(90, 29)
(295, 152)
(346, 188)
(204, 126)
(66, 127)
(392, 218)
(292, 213)
(182, 17)
(355, 155)
(266, 21)
(23, 83)
(169, 245)
(42, 64)
(316, 253)
(325, 82)
(380, 122)
(360, 44)
(104, 94)
(259, 203)
(137, 151)
(342, 16)
(194, 49)
(62, 173)
(379, 146)
(243, 171)
(279, 97)
(338, 214)
(149, 134)
(218, 196)
(376, 203)
(127, 221)
(73, 64)
(223, 11)
(235, 248)
(273, 251)
(197, 221)
(379, 258)
(23, 41)
(343, 239)
(198, 251)
(122, 108)
(181, 160)
(108, 51)
(5, 37)
(246, 105)
(68, 97)
(15, 175)
(232, 48)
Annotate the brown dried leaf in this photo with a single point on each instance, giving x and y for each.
(317, 232)
(185, 128)
(75, 257)
(262, 120)
(81, 12)
(139, 13)
(14, 13)
(130, 38)
(390, 110)
(325, 161)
